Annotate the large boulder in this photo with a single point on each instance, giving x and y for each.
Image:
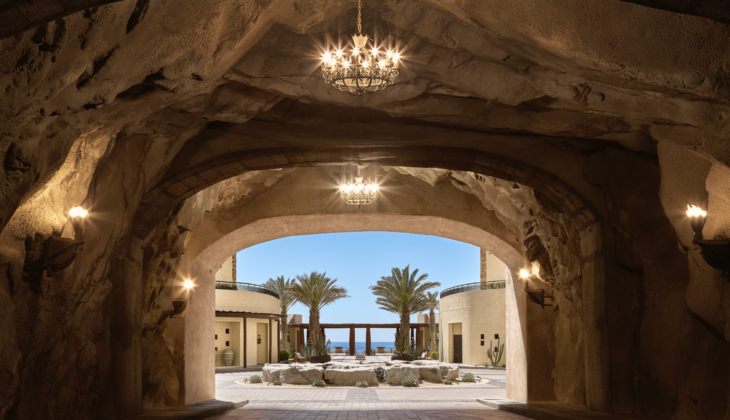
(397, 373)
(349, 377)
(430, 374)
(425, 362)
(272, 372)
(449, 371)
(301, 374)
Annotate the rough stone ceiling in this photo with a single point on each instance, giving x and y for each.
(592, 71)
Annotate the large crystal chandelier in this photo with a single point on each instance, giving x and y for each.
(365, 68)
(359, 193)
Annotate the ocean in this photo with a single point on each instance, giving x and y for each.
(360, 345)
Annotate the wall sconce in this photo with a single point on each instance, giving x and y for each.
(536, 295)
(716, 252)
(259, 339)
(61, 252)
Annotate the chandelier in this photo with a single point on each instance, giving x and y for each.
(359, 193)
(361, 69)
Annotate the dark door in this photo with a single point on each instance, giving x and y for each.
(457, 348)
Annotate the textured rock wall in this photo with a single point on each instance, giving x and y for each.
(96, 105)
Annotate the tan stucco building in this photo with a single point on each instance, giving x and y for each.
(473, 316)
(246, 321)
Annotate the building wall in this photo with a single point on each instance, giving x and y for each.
(473, 314)
(225, 273)
(234, 300)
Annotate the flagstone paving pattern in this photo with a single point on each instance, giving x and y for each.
(447, 402)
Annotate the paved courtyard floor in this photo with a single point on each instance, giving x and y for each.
(447, 402)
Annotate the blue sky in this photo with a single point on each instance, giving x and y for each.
(358, 260)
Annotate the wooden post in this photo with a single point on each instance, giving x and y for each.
(245, 338)
(419, 336)
(271, 332)
(352, 341)
(301, 338)
(278, 340)
(411, 336)
(367, 342)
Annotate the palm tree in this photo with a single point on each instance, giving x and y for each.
(432, 303)
(402, 293)
(316, 291)
(286, 300)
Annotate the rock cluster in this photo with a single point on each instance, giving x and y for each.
(349, 373)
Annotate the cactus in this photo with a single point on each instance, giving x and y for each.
(361, 384)
(319, 383)
(469, 377)
(496, 355)
(448, 382)
(276, 383)
(255, 379)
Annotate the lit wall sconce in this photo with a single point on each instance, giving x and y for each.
(61, 252)
(536, 295)
(259, 339)
(716, 252)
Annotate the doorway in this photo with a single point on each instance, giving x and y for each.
(262, 343)
(457, 349)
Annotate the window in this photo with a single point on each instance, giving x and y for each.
(496, 336)
(216, 336)
(482, 342)
(482, 336)
(228, 331)
(228, 343)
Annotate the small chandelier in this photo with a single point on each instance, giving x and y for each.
(359, 193)
(361, 69)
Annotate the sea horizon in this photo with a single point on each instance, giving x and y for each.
(360, 346)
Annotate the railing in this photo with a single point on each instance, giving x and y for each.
(244, 287)
(471, 287)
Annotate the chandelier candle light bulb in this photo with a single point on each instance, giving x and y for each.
(361, 75)
(697, 219)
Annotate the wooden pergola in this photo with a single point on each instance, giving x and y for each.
(415, 332)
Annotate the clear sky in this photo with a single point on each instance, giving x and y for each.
(357, 260)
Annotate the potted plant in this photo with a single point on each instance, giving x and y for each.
(320, 352)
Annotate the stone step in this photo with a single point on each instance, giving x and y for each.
(192, 411)
(550, 411)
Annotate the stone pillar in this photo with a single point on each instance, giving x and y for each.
(367, 341)
(352, 341)
(233, 267)
(483, 265)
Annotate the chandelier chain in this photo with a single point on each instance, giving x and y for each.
(359, 17)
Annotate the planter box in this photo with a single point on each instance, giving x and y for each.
(321, 358)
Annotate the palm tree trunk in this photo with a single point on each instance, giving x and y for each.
(313, 324)
(284, 331)
(405, 325)
(432, 329)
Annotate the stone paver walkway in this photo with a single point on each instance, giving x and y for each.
(305, 403)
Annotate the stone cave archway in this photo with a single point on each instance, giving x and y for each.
(303, 201)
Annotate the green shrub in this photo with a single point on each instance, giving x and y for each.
(448, 382)
(284, 355)
(469, 377)
(319, 383)
(361, 384)
(255, 379)
(276, 382)
(226, 286)
(409, 381)
(434, 355)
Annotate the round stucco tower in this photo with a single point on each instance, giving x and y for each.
(473, 317)
(477, 318)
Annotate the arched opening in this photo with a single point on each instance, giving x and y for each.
(303, 201)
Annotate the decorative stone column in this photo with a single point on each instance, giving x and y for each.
(483, 265)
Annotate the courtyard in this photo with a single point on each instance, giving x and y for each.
(456, 401)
